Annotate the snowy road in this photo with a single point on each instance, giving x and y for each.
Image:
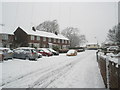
(79, 71)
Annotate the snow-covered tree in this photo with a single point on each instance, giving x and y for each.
(49, 26)
(74, 36)
(114, 34)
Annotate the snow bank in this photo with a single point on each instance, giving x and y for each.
(111, 57)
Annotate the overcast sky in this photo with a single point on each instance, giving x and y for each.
(93, 19)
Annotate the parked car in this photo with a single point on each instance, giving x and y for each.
(71, 52)
(26, 53)
(44, 52)
(6, 53)
(39, 55)
(113, 48)
(53, 51)
(81, 50)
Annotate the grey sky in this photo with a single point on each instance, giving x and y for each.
(94, 19)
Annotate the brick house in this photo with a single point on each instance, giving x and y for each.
(92, 46)
(39, 39)
(6, 39)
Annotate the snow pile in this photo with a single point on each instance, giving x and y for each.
(111, 57)
(101, 54)
(114, 57)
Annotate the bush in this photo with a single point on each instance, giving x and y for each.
(56, 48)
(63, 50)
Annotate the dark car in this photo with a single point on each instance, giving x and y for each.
(81, 50)
(53, 51)
(44, 52)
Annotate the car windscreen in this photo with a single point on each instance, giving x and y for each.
(45, 50)
(52, 50)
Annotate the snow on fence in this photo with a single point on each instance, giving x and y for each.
(113, 75)
(110, 72)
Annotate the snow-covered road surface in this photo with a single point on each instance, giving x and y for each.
(61, 71)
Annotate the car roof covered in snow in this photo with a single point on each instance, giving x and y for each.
(71, 51)
(25, 48)
(2, 48)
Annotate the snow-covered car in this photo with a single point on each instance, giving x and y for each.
(71, 53)
(26, 53)
(44, 52)
(6, 53)
(19, 53)
(53, 51)
(113, 48)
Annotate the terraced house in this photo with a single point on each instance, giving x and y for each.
(6, 39)
(34, 38)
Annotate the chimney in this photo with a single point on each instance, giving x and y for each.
(56, 33)
(33, 28)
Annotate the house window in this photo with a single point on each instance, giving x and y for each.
(54, 40)
(38, 38)
(5, 37)
(44, 38)
(49, 39)
(66, 41)
(32, 37)
(15, 38)
(62, 41)
(58, 40)
(44, 45)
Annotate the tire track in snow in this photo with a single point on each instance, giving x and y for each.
(42, 70)
(46, 80)
(49, 74)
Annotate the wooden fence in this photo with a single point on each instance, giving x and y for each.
(110, 72)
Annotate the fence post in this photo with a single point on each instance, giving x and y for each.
(118, 74)
(107, 71)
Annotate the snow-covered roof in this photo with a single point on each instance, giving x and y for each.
(91, 43)
(44, 34)
(6, 32)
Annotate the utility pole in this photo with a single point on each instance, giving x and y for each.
(97, 42)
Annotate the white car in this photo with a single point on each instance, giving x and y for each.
(113, 48)
(71, 52)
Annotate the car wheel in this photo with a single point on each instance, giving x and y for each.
(35, 59)
(26, 58)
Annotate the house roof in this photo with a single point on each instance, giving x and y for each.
(44, 34)
(5, 32)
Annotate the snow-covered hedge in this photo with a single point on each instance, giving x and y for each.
(111, 57)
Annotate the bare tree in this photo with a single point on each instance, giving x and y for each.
(114, 34)
(74, 36)
(118, 34)
(49, 26)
